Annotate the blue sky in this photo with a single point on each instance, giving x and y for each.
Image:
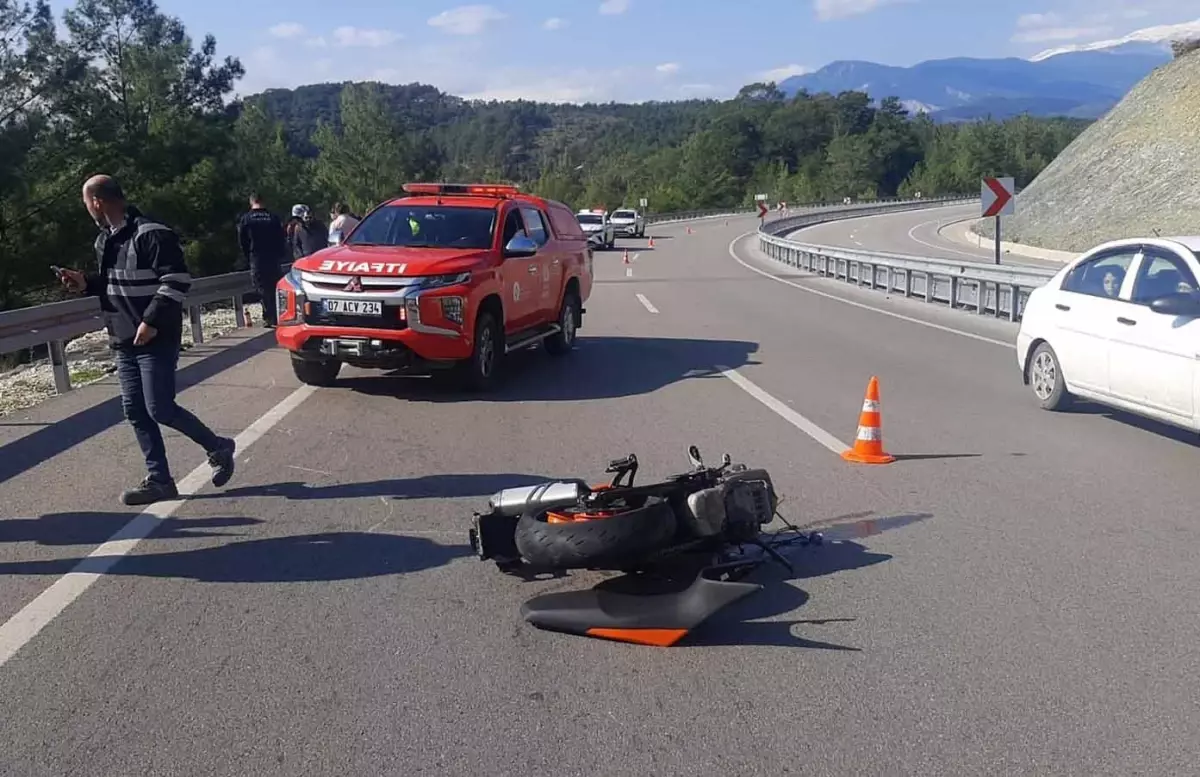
(580, 50)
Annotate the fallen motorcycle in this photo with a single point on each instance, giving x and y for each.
(697, 523)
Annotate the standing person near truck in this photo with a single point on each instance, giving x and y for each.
(264, 245)
(341, 220)
(142, 284)
(293, 223)
(310, 235)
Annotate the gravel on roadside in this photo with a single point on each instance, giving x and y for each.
(90, 360)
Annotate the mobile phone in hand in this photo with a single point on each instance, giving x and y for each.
(57, 270)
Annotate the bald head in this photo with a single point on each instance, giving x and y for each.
(104, 200)
(104, 188)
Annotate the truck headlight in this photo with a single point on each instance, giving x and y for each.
(290, 299)
(440, 281)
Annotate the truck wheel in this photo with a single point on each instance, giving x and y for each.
(481, 371)
(316, 373)
(568, 317)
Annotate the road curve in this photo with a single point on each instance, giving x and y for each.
(1015, 595)
(917, 232)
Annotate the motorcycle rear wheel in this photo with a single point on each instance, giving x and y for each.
(587, 540)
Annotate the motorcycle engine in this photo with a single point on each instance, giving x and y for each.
(750, 503)
(738, 508)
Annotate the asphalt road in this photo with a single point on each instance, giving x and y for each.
(1017, 595)
(917, 232)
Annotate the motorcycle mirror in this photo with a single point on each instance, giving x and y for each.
(694, 455)
(726, 460)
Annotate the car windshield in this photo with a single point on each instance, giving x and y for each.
(590, 218)
(624, 214)
(426, 226)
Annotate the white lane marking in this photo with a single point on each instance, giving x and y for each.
(980, 256)
(783, 411)
(628, 272)
(646, 303)
(852, 303)
(18, 630)
(635, 257)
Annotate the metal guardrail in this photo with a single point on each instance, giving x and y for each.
(56, 323)
(773, 215)
(985, 288)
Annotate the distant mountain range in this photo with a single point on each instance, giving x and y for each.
(1075, 81)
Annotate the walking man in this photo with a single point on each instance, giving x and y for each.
(142, 283)
(264, 245)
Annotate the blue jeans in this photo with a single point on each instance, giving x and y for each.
(147, 375)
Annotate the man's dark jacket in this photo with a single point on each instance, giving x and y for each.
(263, 240)
(142, 277)
(309, 237)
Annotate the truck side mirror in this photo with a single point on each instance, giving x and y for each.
(520, 246)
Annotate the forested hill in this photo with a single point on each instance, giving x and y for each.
(689, 154)
(119, 87)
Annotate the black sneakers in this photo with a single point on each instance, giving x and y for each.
(222, 462)
(149, 492)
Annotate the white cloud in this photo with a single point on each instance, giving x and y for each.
(317, 42)
(668, 68)
(467, 19)
(359, 37)
(1089, 20)
(287, 30)
(1158, 34)
(828, 10)
(1052, 26)
(614, 7)
(554, 24)
(1052, 34)
(783, 73)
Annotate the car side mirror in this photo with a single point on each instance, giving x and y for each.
(1185, 303)
(520, 246)
(335, 238)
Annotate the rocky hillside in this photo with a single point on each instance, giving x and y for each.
(1135, 171)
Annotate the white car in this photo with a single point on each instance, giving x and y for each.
(598, 228)
(1120, 326)
(629, 223)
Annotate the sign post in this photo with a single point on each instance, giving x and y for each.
(997, 198)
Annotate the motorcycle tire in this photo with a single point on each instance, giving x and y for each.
(610, 542)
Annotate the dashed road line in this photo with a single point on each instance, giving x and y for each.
(646, 303)
(783, 411)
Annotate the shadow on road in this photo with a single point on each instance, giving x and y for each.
(424, 487)
(94, 528)
(27, 452)
(295, 559)
(600, 368)
(744, 624)
(1159, 428)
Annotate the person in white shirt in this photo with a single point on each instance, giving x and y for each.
(341, 219)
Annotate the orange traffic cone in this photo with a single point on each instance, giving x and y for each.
(626, 256)
(689, 230)
(868, 445)
(652, 241)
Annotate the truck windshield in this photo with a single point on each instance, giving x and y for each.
(426, 226)
(589, 218)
